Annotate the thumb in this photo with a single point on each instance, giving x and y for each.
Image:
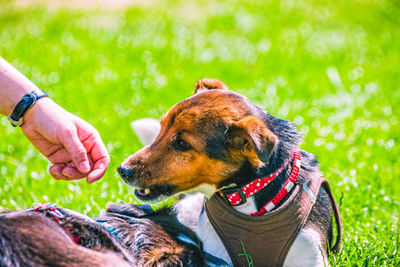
(77, 152)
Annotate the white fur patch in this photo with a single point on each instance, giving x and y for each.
(188, 210)
(247, 208)
(306, 250)
(146, 130)
(212, 244)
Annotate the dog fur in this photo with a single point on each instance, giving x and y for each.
(218, 138)
(215, 139)
(144, 238)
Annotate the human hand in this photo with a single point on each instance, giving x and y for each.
(70, 143)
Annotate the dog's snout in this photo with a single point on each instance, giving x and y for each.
(126, 173)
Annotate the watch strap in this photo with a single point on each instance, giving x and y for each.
(26, 102)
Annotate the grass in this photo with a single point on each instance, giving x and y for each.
(332, 67)
(249, 259)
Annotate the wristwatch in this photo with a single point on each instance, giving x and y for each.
(27, 101)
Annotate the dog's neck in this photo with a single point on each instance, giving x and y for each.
(289, 139)
(254, 203)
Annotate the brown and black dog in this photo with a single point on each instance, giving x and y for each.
(217, 140)
(126, 235)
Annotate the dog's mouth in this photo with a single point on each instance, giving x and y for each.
(154, 193)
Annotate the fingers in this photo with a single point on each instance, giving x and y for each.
(72, 173)
(57, 172)
(63, 172)
(77, 152)
(99, 154)
(101, 159)
(98, 171)
(98, 162)
(67, 171)
(60, 155)
(86, 150)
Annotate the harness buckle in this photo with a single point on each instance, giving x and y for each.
(231, 191)
(50, 208)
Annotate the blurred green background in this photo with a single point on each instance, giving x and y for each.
(332, 67)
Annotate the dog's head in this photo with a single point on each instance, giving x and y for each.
(203, 141)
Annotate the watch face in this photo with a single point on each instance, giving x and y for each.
(27, 100)
(22, 107)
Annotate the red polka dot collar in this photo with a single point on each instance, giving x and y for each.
(236, 196)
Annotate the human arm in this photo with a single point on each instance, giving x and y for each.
(71, 144)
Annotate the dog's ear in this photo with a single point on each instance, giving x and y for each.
(208, 84)
(250, 137)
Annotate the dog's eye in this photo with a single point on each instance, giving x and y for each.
(182, 145)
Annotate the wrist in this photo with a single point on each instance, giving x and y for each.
(13, 86)
(37, 108)
(28, 101)
(12, 99)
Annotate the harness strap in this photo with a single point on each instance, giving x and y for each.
(314, 187)
(310, 194)
(51, 209)
(108, 227)
(268, 239)
(338, 218)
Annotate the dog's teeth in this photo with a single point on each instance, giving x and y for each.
(147, 191)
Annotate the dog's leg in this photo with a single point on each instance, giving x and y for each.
(212, 244)
(188, 210)
(189, 213)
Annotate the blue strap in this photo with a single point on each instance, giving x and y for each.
(109, 228)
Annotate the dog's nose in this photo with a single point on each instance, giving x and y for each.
(126, 173)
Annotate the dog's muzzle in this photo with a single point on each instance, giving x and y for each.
(126, 174)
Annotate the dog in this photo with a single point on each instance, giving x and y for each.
(219, 143)
(126, 235)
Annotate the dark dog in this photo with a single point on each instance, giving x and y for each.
(217, 141)
(126, 235)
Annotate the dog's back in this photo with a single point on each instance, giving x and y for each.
(29, 238)
(132, 236)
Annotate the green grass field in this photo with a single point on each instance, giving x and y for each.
(332, 67)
